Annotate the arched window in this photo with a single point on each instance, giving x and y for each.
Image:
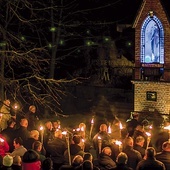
(152, 41)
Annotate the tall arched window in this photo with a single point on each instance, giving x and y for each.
(152, 41)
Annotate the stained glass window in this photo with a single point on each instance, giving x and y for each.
(152, 41)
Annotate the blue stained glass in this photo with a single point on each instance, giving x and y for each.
(152, 41)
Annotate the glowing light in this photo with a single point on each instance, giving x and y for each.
(148, 134)
(117, 142)
(109, 129)
(1, 140)
(120, 125)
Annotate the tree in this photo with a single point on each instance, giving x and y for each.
(43, 43)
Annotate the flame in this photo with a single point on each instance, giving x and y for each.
(64, 132)
(167, 127)
(1, 140)
(109, 129)
(41, 127)
(148, 134)
(92, 121)
(99, 138)
(120, 125)
(117, 142)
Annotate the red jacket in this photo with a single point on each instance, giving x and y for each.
(4, 147)
(31, 166)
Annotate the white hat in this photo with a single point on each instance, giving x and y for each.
(7, 160)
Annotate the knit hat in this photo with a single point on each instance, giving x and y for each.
(7, 160)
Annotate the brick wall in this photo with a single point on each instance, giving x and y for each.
(156, 6)
(162, 105)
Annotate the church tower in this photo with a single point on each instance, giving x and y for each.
(152, 58)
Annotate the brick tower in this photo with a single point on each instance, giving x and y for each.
(152, 59)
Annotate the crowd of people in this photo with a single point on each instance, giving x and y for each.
(23, 146)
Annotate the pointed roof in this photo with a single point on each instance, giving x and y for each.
(164, 3)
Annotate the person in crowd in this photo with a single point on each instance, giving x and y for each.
(56, 149)
(121, 162)
(105, 139)
(9, 133)
(22, 131)
(161, 137)
(7, 162)
(75, 148)
(34, 136)
(77, 162)
(37, 146)
(140, 131)
(48, 134)
(4, 146)
(132, 123)
(47, 164)
(32, 117)
(134, 156)
(5, 113)
(87, 165)
(17, 161)
(139, 143)
(164, 155)
(150, 162)
(105, 160)
(89, 157)
(115, 128)
(19, 148)
(56, 124)
(30, 161)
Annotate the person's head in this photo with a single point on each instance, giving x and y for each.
(32, 109)
(49, 125)
(37, 146)
(103, 128)
(7, 160)
(122, 158)
(17, 142)
(34, 134)
(150, 152)
(58, 134)
(87, 165)
(166, 146)
(77, 160)
(107, 151)
(140, 140)
(24, 122)
(82, 126)
(30, 156)
(47, 164)
(11, 123)
(88, 156)
(135, 115)
(76, 139)
(140, 128)
(56, 124)
(7, 102)
(128, 141)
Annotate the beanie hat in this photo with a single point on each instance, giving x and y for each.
(7, 160)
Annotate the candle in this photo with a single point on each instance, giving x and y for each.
(91, 127)
(68, 145)
(109, 129)
(99, 144)
(83, 144)
(148, 139)
(41, 133)
(168, 128)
